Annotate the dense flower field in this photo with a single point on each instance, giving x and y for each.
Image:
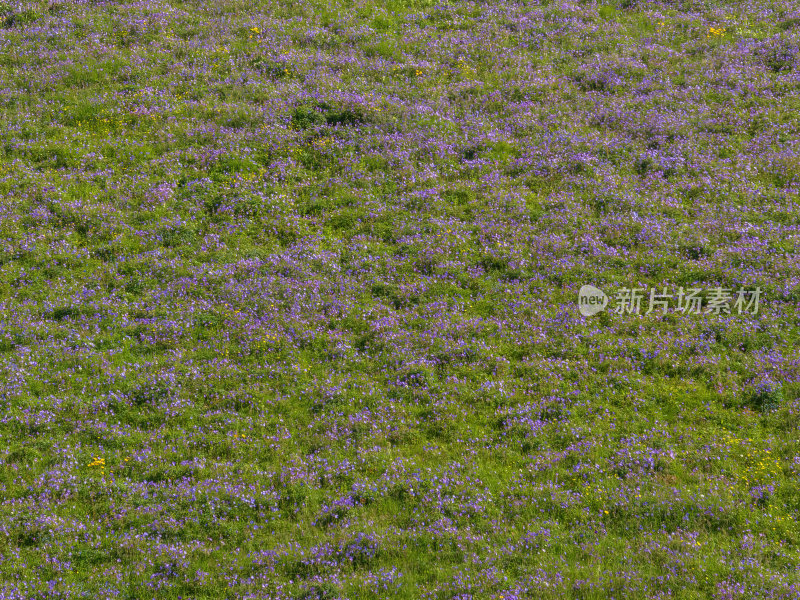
(289, 299)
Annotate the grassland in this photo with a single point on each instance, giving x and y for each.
(288, 300)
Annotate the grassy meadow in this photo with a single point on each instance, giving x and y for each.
(289, 299)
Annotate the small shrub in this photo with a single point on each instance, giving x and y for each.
(347, 117)
(18, 19)
(766, 397)
(304, 117)
(606, 81)
(65, 312)
(779, 57)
